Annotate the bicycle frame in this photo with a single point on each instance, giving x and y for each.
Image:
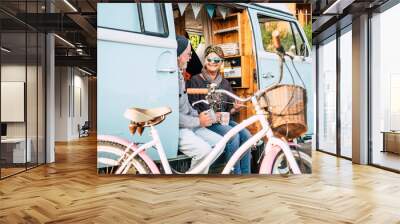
(219, 147)
(260, 117)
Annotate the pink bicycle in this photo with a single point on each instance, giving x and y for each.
(278, 157)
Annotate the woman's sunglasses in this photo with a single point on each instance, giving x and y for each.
(215, 60)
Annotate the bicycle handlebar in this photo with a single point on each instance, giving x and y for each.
(233, 95)
(203, 91)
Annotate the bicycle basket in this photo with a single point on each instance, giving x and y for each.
(285, 107)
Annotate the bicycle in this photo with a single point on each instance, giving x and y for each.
(277, 152)
(132, 155)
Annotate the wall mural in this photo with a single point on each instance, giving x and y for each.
(162, 109)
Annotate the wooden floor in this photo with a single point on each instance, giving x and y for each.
(70, 191)
(10, 171)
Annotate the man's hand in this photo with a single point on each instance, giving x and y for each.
(237, 105)
(205, 119)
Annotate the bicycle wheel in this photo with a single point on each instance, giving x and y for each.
(303, 159)
(109, 153)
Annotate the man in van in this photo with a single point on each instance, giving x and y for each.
(195, 140)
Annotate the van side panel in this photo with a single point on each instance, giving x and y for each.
(136, 72)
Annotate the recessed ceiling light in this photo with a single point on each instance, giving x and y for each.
(338, 6)
(84, 71)
(65, 41)
(70, 5)
(5, 50)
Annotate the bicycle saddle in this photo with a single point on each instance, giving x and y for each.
(141, 118)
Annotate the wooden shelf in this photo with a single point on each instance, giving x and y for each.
(236, 28)
(226, 17)
(232, 56)
(227, 30)
(244, 88)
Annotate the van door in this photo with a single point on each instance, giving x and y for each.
(137, 67)
(293, 39)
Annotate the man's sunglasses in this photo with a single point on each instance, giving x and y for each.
(215, 60)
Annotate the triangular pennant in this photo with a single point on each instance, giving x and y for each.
(196, 9)
(182, 7)
(210, 9)
(223, 10)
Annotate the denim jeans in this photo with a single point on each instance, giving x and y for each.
(243, 166)
(197, 144)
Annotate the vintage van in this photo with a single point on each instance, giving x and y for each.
(137, 61)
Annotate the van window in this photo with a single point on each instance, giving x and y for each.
(147, 18)
(301, 47)
(269, 25)
(153, 18)
(119, 16)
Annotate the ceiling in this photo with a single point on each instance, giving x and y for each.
(76, 20)
(330, 15)
(72, 20)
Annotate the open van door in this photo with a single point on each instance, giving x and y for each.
(137, 67)
(264, 22)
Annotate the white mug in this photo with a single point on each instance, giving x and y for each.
(212, 115)
(224, 120)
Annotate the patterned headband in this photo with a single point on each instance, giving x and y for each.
(214, 49)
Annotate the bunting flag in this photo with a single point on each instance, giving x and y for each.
(182, 7)
(222, 10)
(210, 10)
(196, 9)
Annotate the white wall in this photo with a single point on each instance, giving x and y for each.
(17, 73)
(79, 117)
(33, 126)
(70, 84)
(62, 81)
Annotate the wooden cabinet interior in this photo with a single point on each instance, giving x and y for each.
(236, 28)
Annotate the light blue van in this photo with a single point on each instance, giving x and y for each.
(137, 63)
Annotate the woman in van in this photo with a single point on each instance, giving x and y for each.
(213, 59)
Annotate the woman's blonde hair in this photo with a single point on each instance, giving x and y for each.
(214, 49)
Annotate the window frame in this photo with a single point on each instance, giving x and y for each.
(291, 24)
(164, 20)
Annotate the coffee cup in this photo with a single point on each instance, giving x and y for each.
(212, 115)
(224, 120)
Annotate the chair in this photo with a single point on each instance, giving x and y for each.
(84, 130)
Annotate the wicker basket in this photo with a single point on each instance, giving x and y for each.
(286, 110)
